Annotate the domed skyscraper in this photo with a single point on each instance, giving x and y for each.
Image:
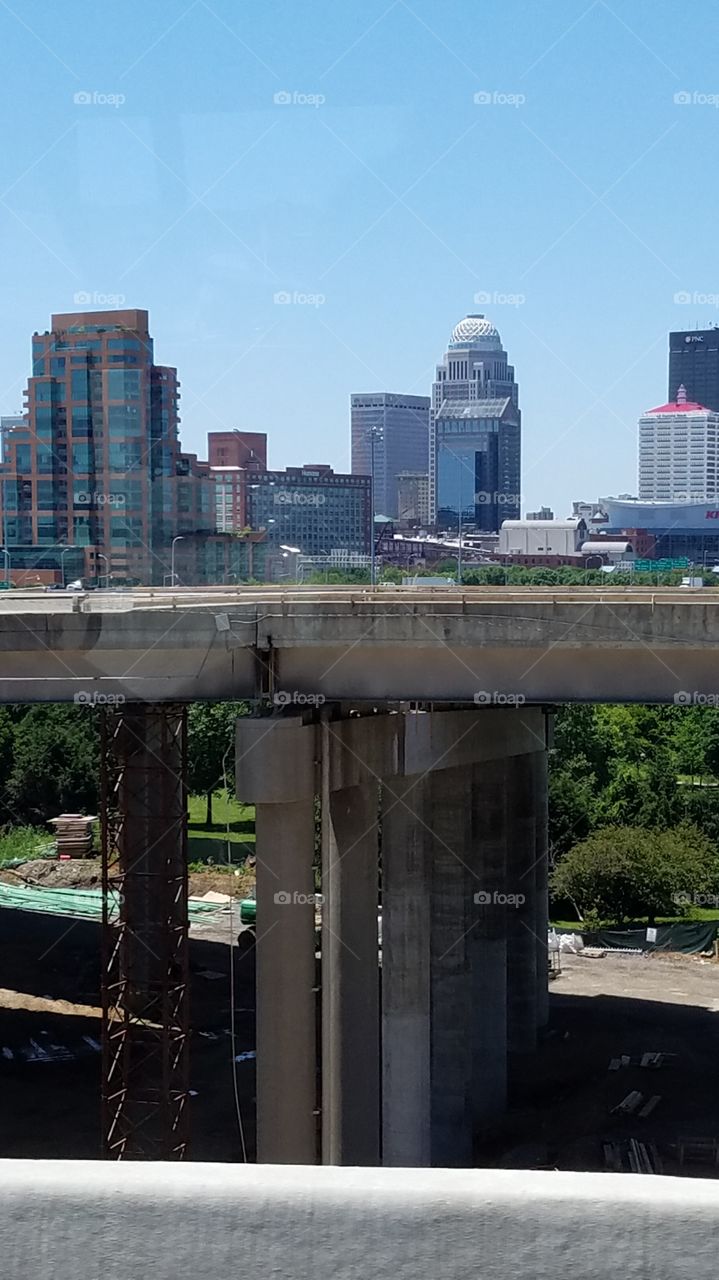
(475, 431)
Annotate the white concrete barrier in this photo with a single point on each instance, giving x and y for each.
(88, 1221)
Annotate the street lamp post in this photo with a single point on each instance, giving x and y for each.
(459, 524)
(63, 553)
(100, 556)
(373, 561)
(176, 539)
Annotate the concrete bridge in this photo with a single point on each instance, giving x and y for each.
(406, 732)
(495, 645)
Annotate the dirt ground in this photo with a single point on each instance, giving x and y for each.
(86, 873)
(600, 1009)
(561, 1100)
(50, 1032)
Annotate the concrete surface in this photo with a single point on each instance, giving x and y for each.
(73, 1221)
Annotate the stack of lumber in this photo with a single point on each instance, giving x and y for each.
(73, 832)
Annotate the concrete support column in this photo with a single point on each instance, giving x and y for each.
(406, 929)
(449, 817)
(350, 969)
(539, 763)
(488, 947)
(521, 913)
(276, 770)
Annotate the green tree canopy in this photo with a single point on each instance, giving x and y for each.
(211, 747)
(55, 763)
(626, 873)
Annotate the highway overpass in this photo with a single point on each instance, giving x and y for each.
(409, 725)
(501, 646)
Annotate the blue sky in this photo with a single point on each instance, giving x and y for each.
(382, 198)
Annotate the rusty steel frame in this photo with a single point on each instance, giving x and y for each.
(145, 1005)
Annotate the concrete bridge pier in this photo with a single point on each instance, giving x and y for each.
(276, 769)
(419, 1078)
(350, 977)
(406, 966)
(521, 919)
(488, 947)
(541, 888)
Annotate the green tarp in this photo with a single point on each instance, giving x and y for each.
(84, 903)
(689, 936)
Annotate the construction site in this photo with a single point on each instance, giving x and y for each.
(124, 1035)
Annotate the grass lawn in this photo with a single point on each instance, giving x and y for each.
(231, 821)
(694, 913)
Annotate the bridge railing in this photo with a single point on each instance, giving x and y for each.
(80, 1221)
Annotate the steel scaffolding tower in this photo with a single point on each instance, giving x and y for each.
(145, 932)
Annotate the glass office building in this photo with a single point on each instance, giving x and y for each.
(390, 435)
(97, 463)
(475, 431)
(311, 508)
(694, 364)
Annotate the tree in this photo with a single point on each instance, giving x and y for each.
(56, 763)
(571, 807)
(211, 747)
(625, 873)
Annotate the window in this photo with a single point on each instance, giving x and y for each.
(79, 384)
(57, 366)
(22, 458)
(124, 420)
(81, 421)
(45, 391)
(82, 460)
(123, 384)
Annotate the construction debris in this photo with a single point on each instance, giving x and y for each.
(649, 1106)
(698, 1151)
(650, 1060)
(628, 1105)
(631, 1156)
(73, 832)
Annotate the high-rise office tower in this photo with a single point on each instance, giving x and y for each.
(694, 365)
(678, 452)
(97, 464)
(475, 431)
(390, 434)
